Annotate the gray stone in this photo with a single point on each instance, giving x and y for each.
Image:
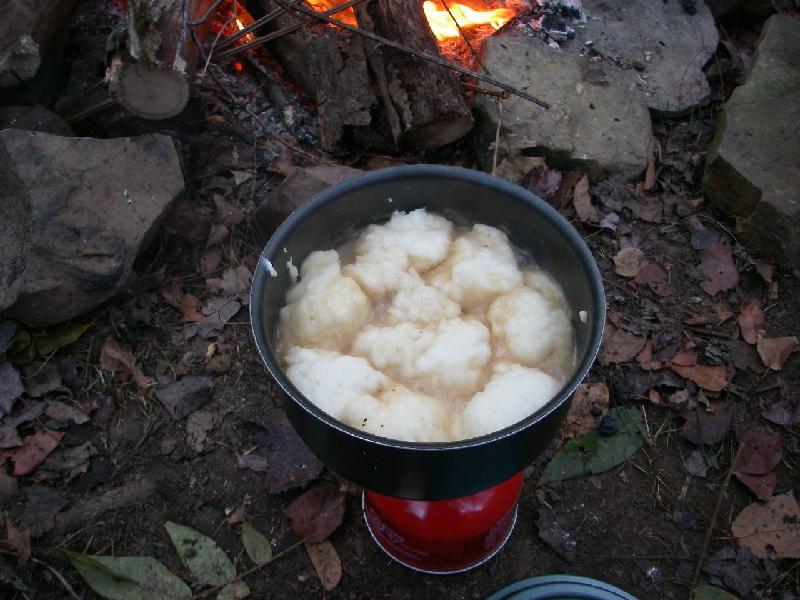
(597, 121)
(753, 166)
(667, 45)
(74, 214)
(33, 118)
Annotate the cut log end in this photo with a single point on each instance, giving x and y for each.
(146, 91)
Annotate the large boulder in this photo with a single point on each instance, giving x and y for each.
(597, 121)
(662, 47)
(75, 213)
(753, 166)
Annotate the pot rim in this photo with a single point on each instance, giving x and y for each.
(274, 249)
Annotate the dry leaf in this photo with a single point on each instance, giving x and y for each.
(317, 513)
(628, 262)
(589, 404)
(774, 352)
(772, 530)
(751, 320)
(172, 292)
(761, 485)
(719, 272)
(34, 450)
(326, 563)
(227, 213)
(119, 359)
(210, 261)
(218, 233)
(234, 282)
(707, 426)
(583, 202)
(189, 312)
(620, 346)
(713, 379)
(655, 278)
(19, 541)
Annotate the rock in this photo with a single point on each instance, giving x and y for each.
(750, 8)
(75, 214)
(597, 121)
(671, 44)
(296, 190)
(753, 165)
(33, 118)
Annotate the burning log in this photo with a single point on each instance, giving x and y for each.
(357, 83)
(152, 79)
(26, 31)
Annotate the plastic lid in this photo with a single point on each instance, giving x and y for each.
(561, 587)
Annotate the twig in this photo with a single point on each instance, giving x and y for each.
(254, 25)
(239, 577)
(281, 32)
(466, 39)
(499, 103)
(58, 576)
(481, 90)
(204, 18)
(713, 521)
(413, 52)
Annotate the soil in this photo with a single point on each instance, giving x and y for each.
(622, 519)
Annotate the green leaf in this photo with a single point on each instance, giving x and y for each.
(63, 336)
(256, 545)
(201, 555)
(129, 577)
(709, 592)
(234, 591)
(593, 453)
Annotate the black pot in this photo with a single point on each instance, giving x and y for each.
(428, 471)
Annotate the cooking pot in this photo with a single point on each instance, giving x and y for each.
(411, 470)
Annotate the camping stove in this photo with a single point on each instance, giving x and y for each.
(444, 536)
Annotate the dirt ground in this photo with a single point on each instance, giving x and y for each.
(640, 525)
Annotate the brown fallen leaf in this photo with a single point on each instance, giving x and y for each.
(188, 220)
(774, 352)
(326, 563)
(8, 487)
(766, 270)
(68, 463)
(218, 233)
(210, 261)
(172, 292)
(771, 531)
(718, 270)
(19, 541)
(628, 262)
(34, 450)
(234, 282)
(589, 405)
(227, 213)
(721, 314)
(646, 360)
(189, 309)
(710, 426)
(761, 451)
(198, 426)
(583, 202)
(620, 346)
(317, 513)
(685, 357)
(751, 320)
(655, 278)
(713, 379)
(119, 359)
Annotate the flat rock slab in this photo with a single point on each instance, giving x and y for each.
(75, 213)
(660, 46)
(597, 121)
(753, 166)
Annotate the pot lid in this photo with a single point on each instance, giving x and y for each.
(561, 587)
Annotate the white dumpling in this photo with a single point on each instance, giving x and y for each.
(513, 393)
(480, 267)
(416, 301)
(529, 328)
(422, 236)
(325, 306)
(332, 380)
(541, 282)
(380, 271)
(448, 358)
(399, 414)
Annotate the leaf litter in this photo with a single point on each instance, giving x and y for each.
(771, 530)
(317, 513)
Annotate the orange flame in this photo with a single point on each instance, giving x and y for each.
(347, 16)
(248, 37)
(444, 28)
